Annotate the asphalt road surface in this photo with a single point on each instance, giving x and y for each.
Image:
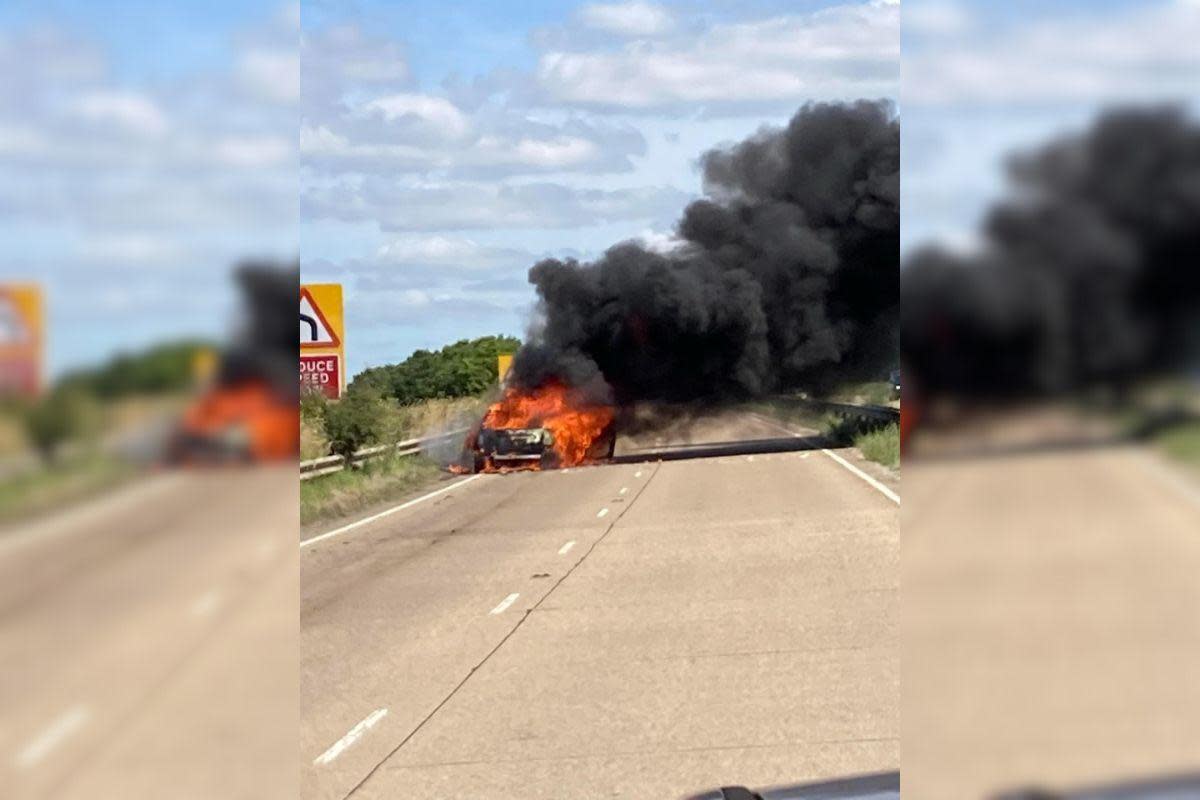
(148, 642)
(1051, 613)
(639, 630)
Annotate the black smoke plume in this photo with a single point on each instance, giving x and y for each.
(265, 347)
(786, 276)
(1089, 274)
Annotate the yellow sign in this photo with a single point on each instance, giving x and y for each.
(322, 339)
(503, 365)
(22, 339)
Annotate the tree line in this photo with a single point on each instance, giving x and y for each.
(462, 369)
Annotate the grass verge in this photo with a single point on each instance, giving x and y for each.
(881, 445)
(342, 493)
(1182, 442)
(397, 422)
(50, 487)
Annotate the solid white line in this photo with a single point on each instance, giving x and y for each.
(624, 489)
(505, 603)
(1171, 476)
(566, 548)
(885, 491)
(54, 735)
(382, 514)
(602, 512)
(350, 738)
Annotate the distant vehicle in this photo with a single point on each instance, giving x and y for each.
(894, 380)
(877, 786)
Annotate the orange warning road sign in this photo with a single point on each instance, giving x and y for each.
(322, 338)
(22, 339)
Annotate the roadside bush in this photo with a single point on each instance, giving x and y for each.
(881, 445)
(313, 405)
(355, 421)
(62, 416)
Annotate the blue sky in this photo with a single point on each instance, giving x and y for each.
(982, 80)
(445, 148)
(144, 148)
(426, 154)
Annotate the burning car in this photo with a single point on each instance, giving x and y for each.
(546, 428)
(250, 410)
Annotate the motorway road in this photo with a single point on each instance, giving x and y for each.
(637, 630)
(1051, 614)
(149, 642)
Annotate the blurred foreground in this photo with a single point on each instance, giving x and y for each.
(149, 641)
(148, 576)
(1051, 344)
(1051, 613)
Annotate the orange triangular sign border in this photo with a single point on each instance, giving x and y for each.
(337, 342)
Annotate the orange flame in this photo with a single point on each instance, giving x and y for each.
(579, 428)
(270, 423)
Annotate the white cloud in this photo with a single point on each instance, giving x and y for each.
(442, 117)
(1146, 53)
(451, 251)
(484, 206)
(335, 60)
(424, 134)
(129, 249)
(660, 242)
(627, 19)
(271, 74)
(555, 153)
(254, 151)
(935, 18)
(125, 110)
(321, 145)
(846, 51)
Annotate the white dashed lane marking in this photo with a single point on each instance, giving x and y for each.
(505, 603)
(206, 603)
(54, 735)
(566, 548)
(602, 512)
(350, 738)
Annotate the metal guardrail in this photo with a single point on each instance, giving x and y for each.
(885, 413)
(316, 467)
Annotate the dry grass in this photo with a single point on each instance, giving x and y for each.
(401, 422)
(342, 493)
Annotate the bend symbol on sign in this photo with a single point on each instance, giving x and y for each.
(315, 330)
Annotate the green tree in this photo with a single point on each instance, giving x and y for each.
(465, 368)
(156, 370)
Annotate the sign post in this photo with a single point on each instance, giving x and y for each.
(322, 339)
(22, 340)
